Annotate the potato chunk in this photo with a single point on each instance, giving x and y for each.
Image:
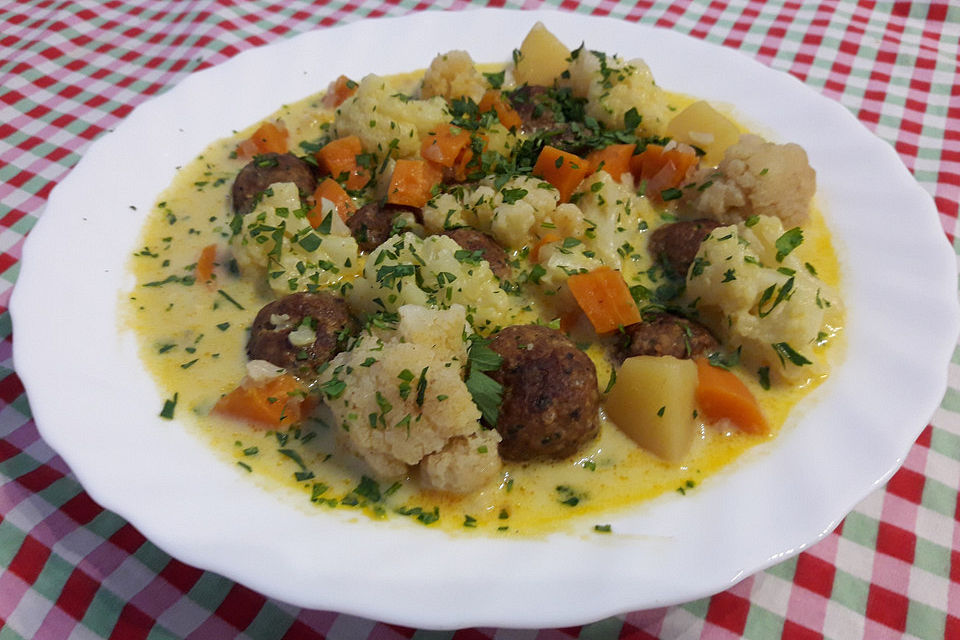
(653, 402)
(703, 126)
(542, 58)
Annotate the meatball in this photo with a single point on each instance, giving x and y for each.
(263, 171)
(372, 223)
(666, 334)
(493, 253)
(541, 113)
(532, 104)
(331, 322)
(551, 400)
(676, 244)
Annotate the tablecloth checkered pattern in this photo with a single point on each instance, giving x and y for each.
(70, 71)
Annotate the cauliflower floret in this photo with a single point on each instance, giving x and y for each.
(277, 242)
(569, 221)
(613, 87)
(614, 219)
(615, 212)
(761, 301)
(453, 75)
(465, 464)
(260, 371)
(516, 214)
(605, 227)
(398, 396)
(514, 219)
(378, 115)
(454, 209)
(756, 178)
(431, 272)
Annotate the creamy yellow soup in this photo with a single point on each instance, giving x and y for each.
(193, 337)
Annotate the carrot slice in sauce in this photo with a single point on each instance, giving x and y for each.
(506, 114)
(605, 299)
(274, 403)
(268, 138)
(722, 395)
(412, 182)
(205, 264)
(330, 189)
(614, 159)
(561, 169)
(339, 159)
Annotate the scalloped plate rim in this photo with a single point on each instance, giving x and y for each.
(646, 563)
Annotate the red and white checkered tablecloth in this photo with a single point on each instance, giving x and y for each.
(71, 70)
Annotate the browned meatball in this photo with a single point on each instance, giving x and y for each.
(666, 334)
(676, 244)
(331, 321)
(550, 395)
(473, 240)
(263, 171)
(540, 113)
(372, 223)
(533, 105)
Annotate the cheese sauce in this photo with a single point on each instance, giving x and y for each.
(193, 338)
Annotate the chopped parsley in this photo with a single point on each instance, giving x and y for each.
(765, 307)
(230, 299)
(786, 353)
(568, 496)
(495, 80)
(368, 489)
(612, 381)
(486, 392)
(168, 407)
(787, 242)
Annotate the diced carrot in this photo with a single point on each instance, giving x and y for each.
(338, 91)
(204, 268)
(331, 190)
(605, 299)
(548, 237)
(445, 145)
(277, 402)
(722, 395)
(662, 169)
(460, 166)
(488, 100)
(506, 114)
(561, 169)
(268, 138)
(468, 160)
(339, 159)
(247, 149)
(614, 159)
(412, 182)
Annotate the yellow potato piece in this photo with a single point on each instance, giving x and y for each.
(542, 58)
(653, 403)
(703, 126)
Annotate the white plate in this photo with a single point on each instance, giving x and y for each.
(96, 406)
